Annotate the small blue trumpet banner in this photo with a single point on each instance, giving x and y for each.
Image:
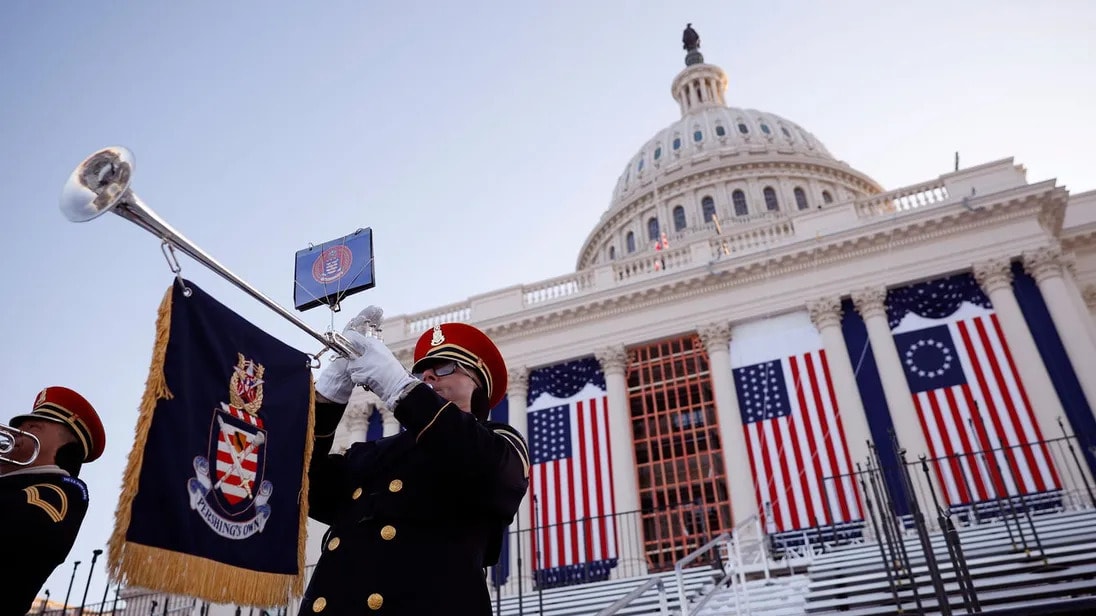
(329, 272)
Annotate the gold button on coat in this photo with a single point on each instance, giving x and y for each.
(334, 543)
(357, 493)
(395, 485)
(388, 533)
(319, 604)
(375, 601)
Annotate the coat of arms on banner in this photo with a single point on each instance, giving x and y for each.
(233, 499)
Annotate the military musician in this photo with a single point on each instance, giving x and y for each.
(42, 499)
(415, 517)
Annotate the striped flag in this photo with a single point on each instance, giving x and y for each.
(574, 531)
(796, 444)
(970, 400)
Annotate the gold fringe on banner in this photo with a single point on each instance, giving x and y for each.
(172, 572)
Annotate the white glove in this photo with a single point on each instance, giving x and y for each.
(378, 369)
(334, 382)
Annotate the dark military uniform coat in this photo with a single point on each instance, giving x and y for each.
(415, 517)
(42, 513)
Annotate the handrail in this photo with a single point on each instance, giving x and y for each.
(680, 566)
(664, 605)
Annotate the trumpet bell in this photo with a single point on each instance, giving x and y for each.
(98, 184)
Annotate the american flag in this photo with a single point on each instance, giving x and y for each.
(973, 408)
(574, 533)
(796, 444)
(799, 460)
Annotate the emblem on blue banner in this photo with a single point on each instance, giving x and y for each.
(233, 500)
(332, 264)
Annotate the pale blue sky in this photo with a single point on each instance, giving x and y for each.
(480, 140)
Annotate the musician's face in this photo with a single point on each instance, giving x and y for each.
(51, 436)
(452, 382)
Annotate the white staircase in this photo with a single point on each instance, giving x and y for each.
(854, 582)
(589, 599)
(778, 596)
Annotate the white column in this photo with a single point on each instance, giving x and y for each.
(825, 313)
(907, 427)
(740, 481)
(870, 303)
(1077, 294)
(1045, 266)
(521, 554)
(995, 278)
(390, 426)
(622, 440)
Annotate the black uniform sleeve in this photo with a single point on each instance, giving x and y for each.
(325, 471)
(492, 456)
(44, 516)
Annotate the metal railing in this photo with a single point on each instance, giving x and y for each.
(626, 600)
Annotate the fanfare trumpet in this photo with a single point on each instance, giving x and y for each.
(8, 437)
(101, 183)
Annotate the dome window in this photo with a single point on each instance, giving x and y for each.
(652, 229)
(720, 131)
(742, 128)
(658, 152)
(612, 253)
(739, 199)
(771, 203)
(630, 242)
(697, 136)
(827, 197)
(765, 129)
(679, 218)
(786, 133)
(707, 206)
(800, 198)
(677, 143)
(639, 165)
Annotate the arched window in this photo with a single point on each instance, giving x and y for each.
(697, 136)
(720, 131)
(739, 199)
(658, 152)
(742, 128)
(707, 205)
(679, 218)
(652, 229)
(827, 197)
(630, 242)
(765, 129)
(771, 203)
(677, 143)
(612, 252)
(800, 198)
(639, 165)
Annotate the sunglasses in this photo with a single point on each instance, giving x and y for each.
(440, 369)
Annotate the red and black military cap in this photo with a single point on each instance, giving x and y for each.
(469, 347)
(65, 406)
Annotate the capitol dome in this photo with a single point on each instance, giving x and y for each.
(715, 168)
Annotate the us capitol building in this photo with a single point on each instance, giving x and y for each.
(753, 319)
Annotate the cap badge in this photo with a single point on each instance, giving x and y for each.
(437, 338)
(40, 399)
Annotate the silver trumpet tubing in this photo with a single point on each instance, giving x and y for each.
(101, 183)
(8, 437)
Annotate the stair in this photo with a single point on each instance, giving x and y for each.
(589, 599)
(853, 582)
